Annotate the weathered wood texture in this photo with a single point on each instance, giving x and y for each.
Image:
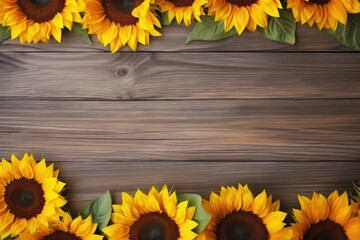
(197, 116)
(178, 76)
(174, 37)
(217, 130)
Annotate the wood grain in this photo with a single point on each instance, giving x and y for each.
(89, 180)
(179, 76)
(174, 37)
(257, 130)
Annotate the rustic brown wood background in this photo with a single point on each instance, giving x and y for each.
(196, 116)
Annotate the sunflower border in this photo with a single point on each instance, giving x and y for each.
(210, 19)
(192, 216)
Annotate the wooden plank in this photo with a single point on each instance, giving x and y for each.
(164, 76)
(236, 130)
(173, 39)
(88, 180)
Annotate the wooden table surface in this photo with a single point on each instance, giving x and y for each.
(198, 116)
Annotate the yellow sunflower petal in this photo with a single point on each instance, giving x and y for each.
(159, 206)
(30, 176)
(244, 208)
(324, 15)
(78, 228)
(335, 211)
(118, 31)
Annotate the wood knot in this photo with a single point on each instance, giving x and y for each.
(122, 72)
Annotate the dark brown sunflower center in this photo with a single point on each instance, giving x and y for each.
(182, 3)
(41, 10)
(119, 11)
(319, 2)
(325, 230)
(24, 198)
(60, 235)
(154, 226)
(241, 3)
(241, 225)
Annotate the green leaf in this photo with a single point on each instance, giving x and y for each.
(77, 29)
(280, 29)
(348, 35)
(4, 33)
(165, 19)
(208, 29)
(200, 216)
(100, 209)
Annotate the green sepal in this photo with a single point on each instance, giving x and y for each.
(357, 189)
(165, 19)
(4, 33)
(281, 29)
(77, 28)
(349, 34)
(292, 215)
(200, 216)
(100, 210)
(209, 30)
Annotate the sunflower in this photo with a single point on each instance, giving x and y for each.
(121, 22)
(183, 9)
(35, 20)
(325, 13)
(157, 215)
(236, 214)
(244, 13)
(321, 218)
(66, 228)
(29, 195)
